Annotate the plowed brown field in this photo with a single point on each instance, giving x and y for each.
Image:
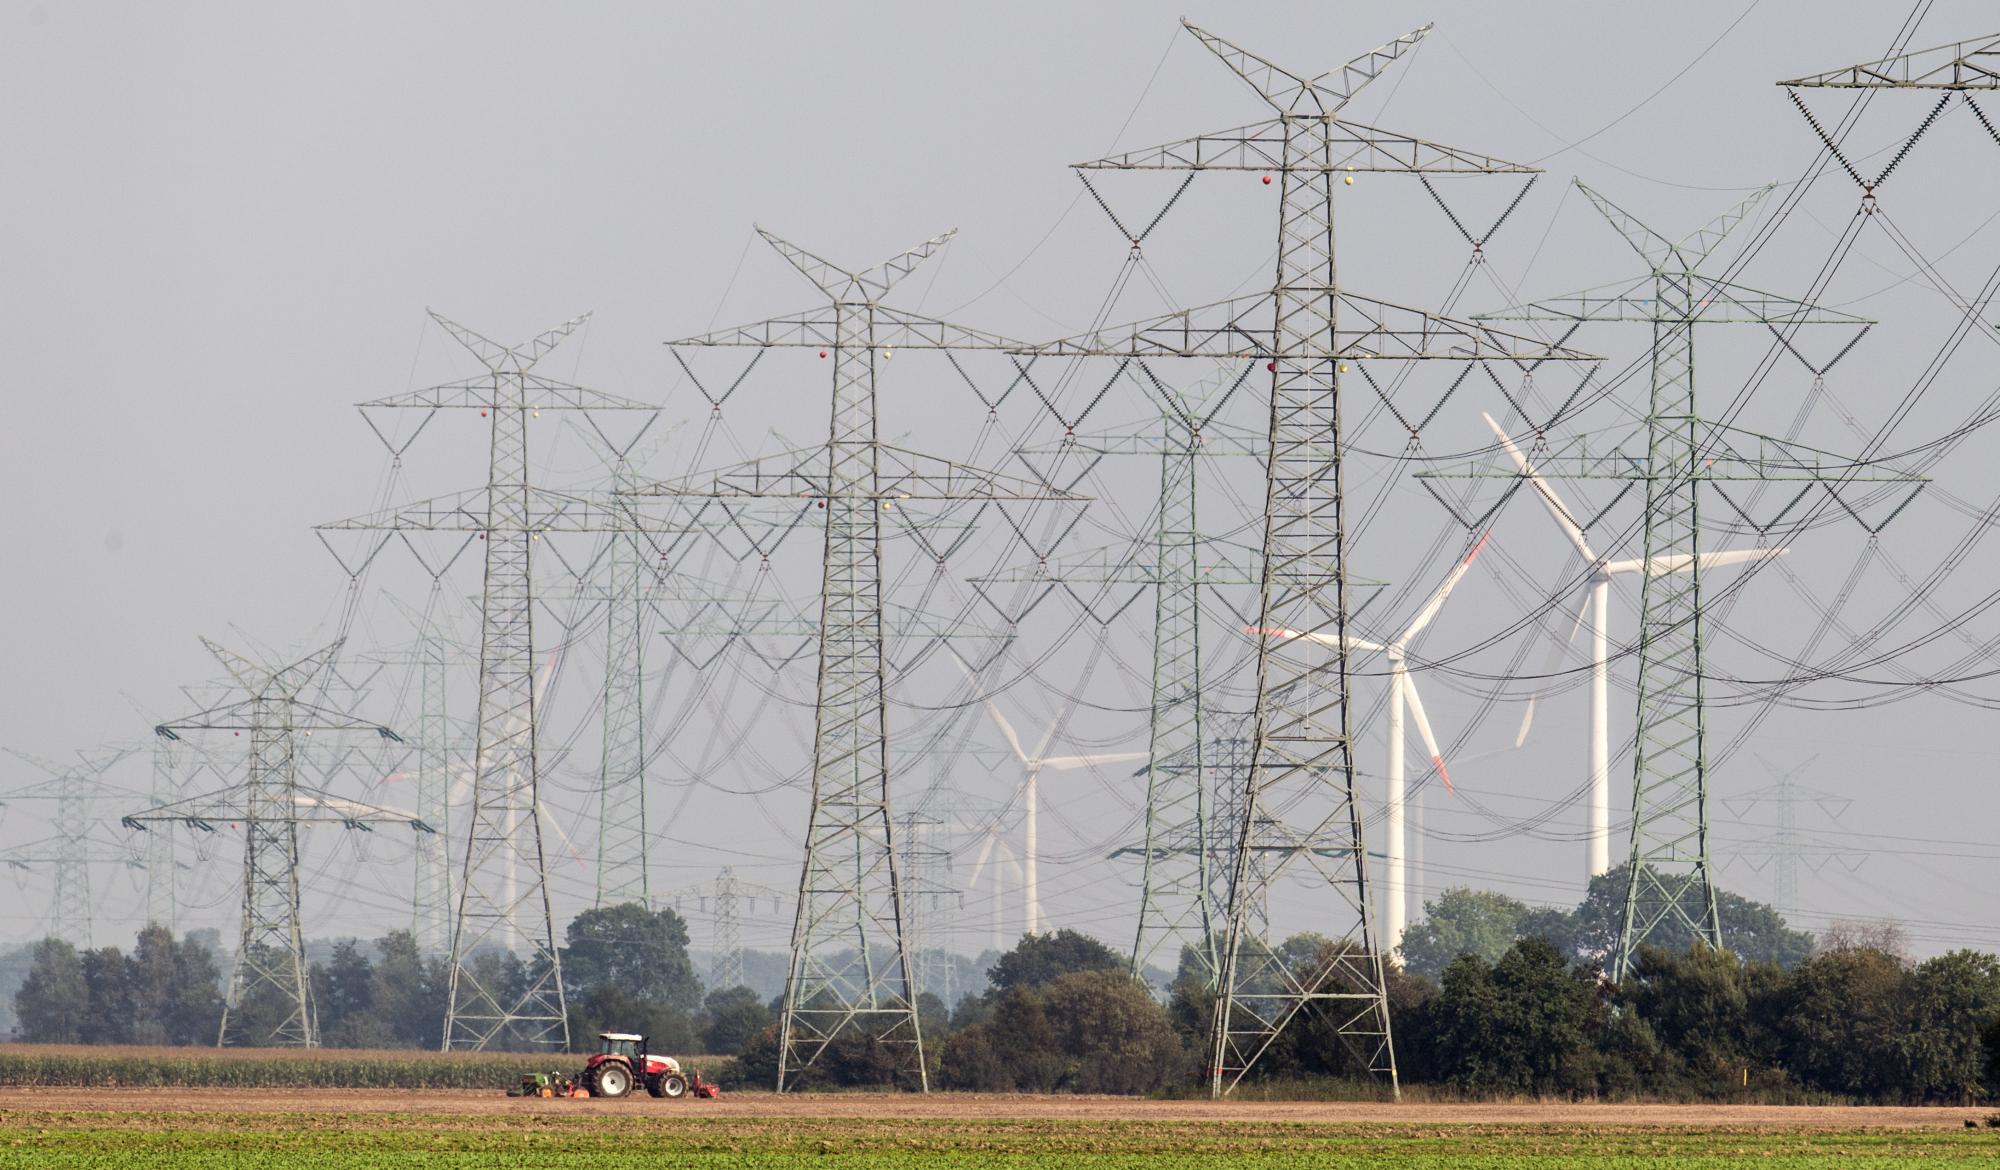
(980, 1107)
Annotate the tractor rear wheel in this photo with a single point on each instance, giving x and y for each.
(611, 1079)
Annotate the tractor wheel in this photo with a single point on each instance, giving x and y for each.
(612, 1079)
(671, 1085)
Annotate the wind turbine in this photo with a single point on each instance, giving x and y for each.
(1596, 609)
(992, 845)
(1402, 696)
(1032, 764)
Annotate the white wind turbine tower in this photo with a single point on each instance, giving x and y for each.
(1596, 610)
(1402, 696)
(1033, 763)
(993, 846)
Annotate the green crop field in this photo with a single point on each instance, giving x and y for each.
(48, 1139)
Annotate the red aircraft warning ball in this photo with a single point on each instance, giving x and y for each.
(822, 353)
(1267, 180)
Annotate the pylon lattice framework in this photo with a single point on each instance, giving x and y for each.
(503, 896)
(1301, 779)
(850, 903)
(1670, 880)
(270, 805)
(1176, 907)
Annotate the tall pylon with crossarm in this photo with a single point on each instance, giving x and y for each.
(503, 895)
(1306, 328)
(850, 910)
(270, 805)
(1670, 878)
(1177, 915)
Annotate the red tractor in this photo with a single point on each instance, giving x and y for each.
(622, 1061)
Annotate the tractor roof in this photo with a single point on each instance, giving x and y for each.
(619, 1036)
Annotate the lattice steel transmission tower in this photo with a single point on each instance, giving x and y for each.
(621, 824)
(162, 888)
(1787, 849)
(850, 908)
(1176, 885)
(503, 896)
(1306, 329)
(70, 787)
(1670, 879)
(431, 659)
(270, 805)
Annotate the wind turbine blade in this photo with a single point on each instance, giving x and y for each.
(1353, 643)
(979, 862)
(1741, 556)
(1070, 763)
(1550, 500)
(1007, 729)
(1423, 723)
(1549, 669)
(569, 846)
(1681, 562)
(1436, 603)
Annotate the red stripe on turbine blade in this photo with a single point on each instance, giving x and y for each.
(1443, 774)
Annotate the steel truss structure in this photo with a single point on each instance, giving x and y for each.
(271, 805)
(1670, 880)
(503, 897)
(850, 914)
(71, 788)
(1306, 329)
(1176, 907)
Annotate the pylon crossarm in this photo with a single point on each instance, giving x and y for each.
(1218, 438)
(1260, 147)
(309, 806)
(548, 511)
(1973, 64)
(1286, 90)
(819, 328)
(1726, 454)
(1134, 564)
(509, 392)
(807, 473)
(1361, 329)
(241, 716)
(867, 285)
(516, 359)
(1709, 302)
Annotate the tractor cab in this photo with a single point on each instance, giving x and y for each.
(629, 1045)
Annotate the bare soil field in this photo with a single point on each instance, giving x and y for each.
(22, 1103)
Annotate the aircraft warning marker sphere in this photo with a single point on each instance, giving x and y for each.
(1267, 180)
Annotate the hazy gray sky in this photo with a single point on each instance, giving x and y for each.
(221, 226)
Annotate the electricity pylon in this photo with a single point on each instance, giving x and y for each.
(431, 658)
(503, 895)
(1175, 908)
(850, 904)
(726, 899)
(1670, 880)
(1307, 328)
(1787, 849)
(70, 787)
(270, 805)
(621, 823)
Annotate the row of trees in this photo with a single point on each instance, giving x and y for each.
(625, 968)
(1519, 1006)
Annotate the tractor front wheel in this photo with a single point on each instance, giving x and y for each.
(668, 1085)
(611, 1080)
